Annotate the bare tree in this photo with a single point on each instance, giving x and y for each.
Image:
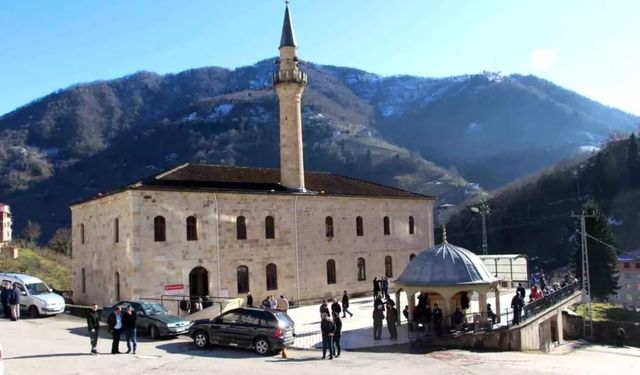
(32, 232)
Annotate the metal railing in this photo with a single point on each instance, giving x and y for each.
(535, 307)
(169, 299)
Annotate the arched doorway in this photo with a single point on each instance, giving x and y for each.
(198, 282)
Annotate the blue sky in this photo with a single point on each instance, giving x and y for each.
(592, 47)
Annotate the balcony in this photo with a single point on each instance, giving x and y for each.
(291, 75)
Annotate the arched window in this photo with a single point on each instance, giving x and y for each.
(242, 275)
(241, 228)
(84, 282)
(388, 266)
(386, 225)
(328, 223)
(331, 271)
(411, 256)
(359, 226)
(362, 270)
(117, 286)
(411, 225)
(159, 229)
(192, 228)
(272, 276)
(269, 227)
(82, 234)
(116, 230)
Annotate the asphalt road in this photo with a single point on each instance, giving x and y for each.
(60, 346)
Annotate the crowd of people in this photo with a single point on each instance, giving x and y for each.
(118, 322)
(10, 297)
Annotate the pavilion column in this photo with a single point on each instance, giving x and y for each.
(498, 311)
(559, 328)
(399, 307)
(482, 305)
(411, 301)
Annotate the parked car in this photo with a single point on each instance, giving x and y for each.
(153, 319)
(37, 298)
(264, 331)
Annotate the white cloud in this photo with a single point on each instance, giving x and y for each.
(542, 58)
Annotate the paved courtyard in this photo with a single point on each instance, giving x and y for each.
(60, 346)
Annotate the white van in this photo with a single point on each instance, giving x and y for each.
(37, 298)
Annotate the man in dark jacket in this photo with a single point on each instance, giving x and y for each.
(335, 307)
(324, 308)
(345, 305)
(129, 326)
(114, 321)
(516, 304)
(392, 320)
(93, 325)
(14, 302)
(376, 287)
(520, 291)
(337, 333)
(249, 299)
(5, 296)
(328, 329)
(378, 317)
(436, 315)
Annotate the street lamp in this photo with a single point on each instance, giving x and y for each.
(483, 211)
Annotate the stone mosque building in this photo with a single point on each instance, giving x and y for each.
(224, 231)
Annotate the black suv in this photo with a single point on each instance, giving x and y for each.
(264, 331)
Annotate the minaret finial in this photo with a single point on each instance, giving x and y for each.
(288, 37)
(444, 233)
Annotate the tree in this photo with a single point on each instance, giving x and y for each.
(61, 241)
(31, 232)
(603, 268)
(633, 161)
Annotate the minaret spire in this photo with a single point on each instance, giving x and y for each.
(289, 83)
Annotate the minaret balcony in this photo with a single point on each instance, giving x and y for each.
(289, 75)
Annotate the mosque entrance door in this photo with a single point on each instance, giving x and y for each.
(198, 282)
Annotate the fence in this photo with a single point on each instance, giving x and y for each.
(168, 301)
(535, 307)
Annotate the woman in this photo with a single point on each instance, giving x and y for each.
(337, 332)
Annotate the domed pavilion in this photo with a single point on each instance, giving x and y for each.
(448, 275)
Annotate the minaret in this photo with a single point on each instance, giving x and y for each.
(289, 83)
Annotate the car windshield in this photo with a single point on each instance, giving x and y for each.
(38, 288)
(153, 309)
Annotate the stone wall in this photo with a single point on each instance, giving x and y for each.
(300, 248)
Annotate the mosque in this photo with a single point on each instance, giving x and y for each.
(224, 231)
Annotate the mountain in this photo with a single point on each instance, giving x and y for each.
(401, 130)
(534, 215)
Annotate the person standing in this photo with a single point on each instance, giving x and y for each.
(520, 291)
(328, 329)
(283, 304)
(14, 302)
(337, 333)
(114, 321)
(378, 317)
(376, 288)
(249, 299)
(273, 304)
(185, 305)
(620, 335)
(385, 287)
(130, 331)
(5, 297)
(324, 308)
(345, 305)
(436, 314)
(335, 307)
(392, 320)
(93, 325)
(517, 303)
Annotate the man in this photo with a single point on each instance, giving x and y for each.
(249, 299)
(620, 335)
(114, 321)
(5, 297)
(378, 317)
(385, 287)
(520, 291)
(130, 332)
(93, 325)
(328, 329)
(436, 314)
(283, 304)
(516, 304)
(335, 307)
(376, 288)
(392, 320)
(324, 309)
(345, 305)
(14, 302)
(458, 318)
(490, 314)
(185, 305)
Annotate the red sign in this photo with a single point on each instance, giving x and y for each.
(173, 287)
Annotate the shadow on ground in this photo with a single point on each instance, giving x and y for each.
(104, 335)
(187, 348)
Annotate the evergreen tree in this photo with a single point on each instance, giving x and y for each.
(603, 270)
(633, 161)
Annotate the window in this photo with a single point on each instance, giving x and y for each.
(269, 227)
(159, 229)
(230, 318)
(331, 271)
(626, 265)
(362, 270)
(637, 265)
(117, 286)
(241, 228)
(84, 282)
(411, 225)
(411, 256)
(359, 226)
(328, 223)
(388, 266)
(116, 230)
(192, 228)
(272, 276)
(386, 225)
(82, 234)
(242, 275)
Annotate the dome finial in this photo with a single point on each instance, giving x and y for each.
(444, 233)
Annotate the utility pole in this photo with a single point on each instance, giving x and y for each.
(586, 282)
(484, 211)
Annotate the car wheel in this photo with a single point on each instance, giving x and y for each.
(154, 333)
(201, 340)
(261, 346)
(33, 312)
